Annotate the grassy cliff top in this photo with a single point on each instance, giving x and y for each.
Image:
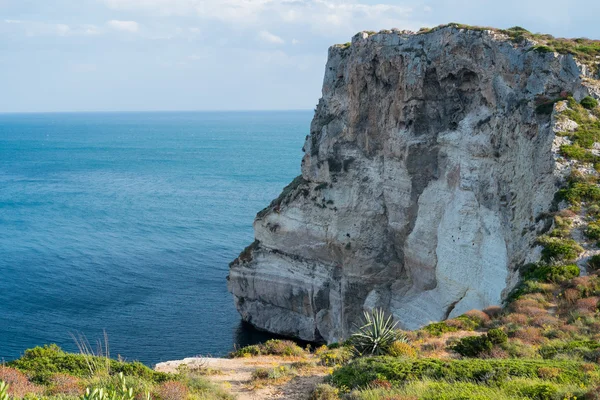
(585, 50)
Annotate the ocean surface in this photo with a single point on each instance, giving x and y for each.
(126, 223)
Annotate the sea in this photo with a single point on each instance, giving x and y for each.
(124, 224)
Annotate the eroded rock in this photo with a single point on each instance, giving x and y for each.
(424, 182)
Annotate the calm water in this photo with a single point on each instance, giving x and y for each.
(126, 222)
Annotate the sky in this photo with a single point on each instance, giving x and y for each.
(149, 55)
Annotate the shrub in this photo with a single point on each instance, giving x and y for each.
(402, 349)
(282, 348)
(585, 349)
(580, 191)
(439, 328)
(548, 373)
(593, 230)
(41, 363)
(556, 273)
(589, 102)
(589, 304)
(260, 373)
(541, 391)
(66, 385)
(325, 392)
(593, 263)
(172, 391)
(529, 334)
(559, 249)
(18, 384)
(273, 347)
(473, 346)
(248, 351)
(493, 311)
(334, 357)
(376, 335)
(363, 371)
(575, 152)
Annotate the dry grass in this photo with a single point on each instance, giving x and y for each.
(493, 311)
(66, 385)
(589, 304)
(172, 391)
(529, 334)
(18, 383)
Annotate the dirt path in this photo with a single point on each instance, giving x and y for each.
(234, 375)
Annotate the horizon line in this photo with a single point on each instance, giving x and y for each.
(152, 111)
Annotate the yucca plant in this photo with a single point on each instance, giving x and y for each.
(376, 334)
(3, 390)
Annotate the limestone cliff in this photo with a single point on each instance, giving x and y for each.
(426, 178)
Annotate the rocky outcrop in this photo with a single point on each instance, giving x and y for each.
(425, 182)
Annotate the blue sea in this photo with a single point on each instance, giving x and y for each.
(126, 223)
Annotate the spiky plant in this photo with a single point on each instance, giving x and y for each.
(376, 334)
(3, 390)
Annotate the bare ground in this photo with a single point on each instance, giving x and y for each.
(235, 376)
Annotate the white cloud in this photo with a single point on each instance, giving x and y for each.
(326, 17)
(295, 41)
(126, 26)
(62, 29)
(268, 37)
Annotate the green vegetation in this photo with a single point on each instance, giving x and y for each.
(376, 335)
(272, 347)
(3, 391)
(593, 263)
(589, 103)
(559, 249)
(551, 273)
(41, 363)
(50, 373)
(439, 328)
(361, 372)
(474, 346)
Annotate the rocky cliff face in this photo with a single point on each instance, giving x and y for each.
(425, 182)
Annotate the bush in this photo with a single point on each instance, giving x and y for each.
(402, 349)
(558, 249)
(585, 349)
(278, 347)
(41, 363)
(63, 384)
(580, 191)
(593, 230)
(325, 392)
(473, 346)
(551, 273)
(273, 347)
(334, 357)
(17, 383)
(589, 102)
(362, 371)
(172, 391)
(439, 328)
(593, 263)
(542, 391)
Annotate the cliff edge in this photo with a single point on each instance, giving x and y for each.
(428, 175)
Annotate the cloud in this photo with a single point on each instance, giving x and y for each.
(268, 37)
(62, 29)
(325, 17)
(126, 26)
